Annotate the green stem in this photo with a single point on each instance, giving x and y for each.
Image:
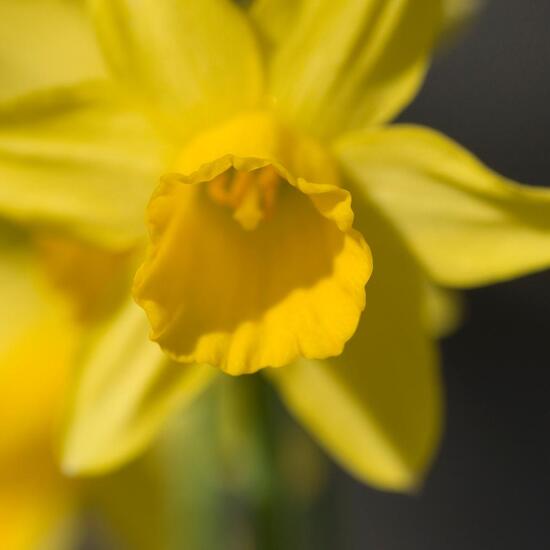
(267, 517)
(269, 473)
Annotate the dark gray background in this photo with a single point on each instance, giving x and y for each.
(490, 487)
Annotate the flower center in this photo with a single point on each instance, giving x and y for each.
(251, 195)
(222, 286)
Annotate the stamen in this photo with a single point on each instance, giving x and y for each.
(218, 189)
(268, 182)
(241, 185)
(249, 213)
(252, 195)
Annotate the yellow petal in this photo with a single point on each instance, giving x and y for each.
(377, 408)
(36, 513)
(77, 160)
(125, 392)
(466, 224)
(45, 43)
(196, 60)
(37, 342)
(224, 287)
(91, 278)
(352, 63)
(274, 18)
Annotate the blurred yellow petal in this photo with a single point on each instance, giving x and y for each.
(466, 224)
(125, 392)
(352, 63)
(377, 408)
(37, 343)
(196, 60)
(77, 160)
(35, 513)
(45, 43)
(33, 378)
(274, 19)
(92, 278)
(271, 268)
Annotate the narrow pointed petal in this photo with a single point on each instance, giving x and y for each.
(77, 160)
(273, 19)
(45, 43)
(353, 63)
(196, 60)
(466, 224)
(377, 408)
(126, 390)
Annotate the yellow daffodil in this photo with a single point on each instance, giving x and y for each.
(254, 143)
